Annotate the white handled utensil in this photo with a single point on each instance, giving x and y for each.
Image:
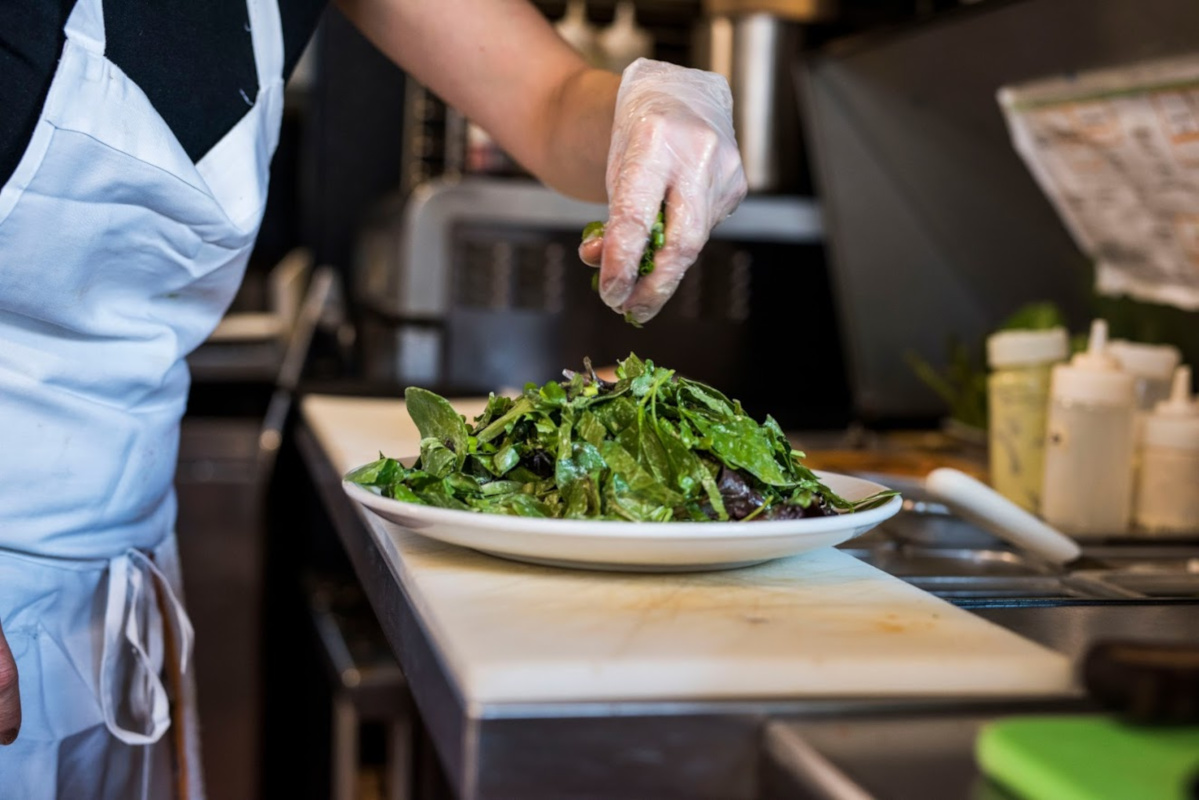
(987, 508)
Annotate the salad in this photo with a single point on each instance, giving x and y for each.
(653, 446)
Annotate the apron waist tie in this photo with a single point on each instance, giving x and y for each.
(131, 662)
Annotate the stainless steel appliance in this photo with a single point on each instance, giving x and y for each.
(752, 43)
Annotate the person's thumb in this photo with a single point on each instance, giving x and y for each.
(591, 250)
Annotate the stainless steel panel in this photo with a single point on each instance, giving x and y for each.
(935, 226)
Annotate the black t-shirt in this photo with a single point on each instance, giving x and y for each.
(194, 59)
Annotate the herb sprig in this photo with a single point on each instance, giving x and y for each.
(651, 447)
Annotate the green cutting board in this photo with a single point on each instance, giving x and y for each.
(1090, 758)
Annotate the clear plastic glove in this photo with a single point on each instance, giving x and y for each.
(672, 141)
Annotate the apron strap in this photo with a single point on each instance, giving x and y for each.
(85, 26)
(266, 31)
(134, 647)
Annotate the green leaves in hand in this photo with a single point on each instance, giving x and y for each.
(654, 242)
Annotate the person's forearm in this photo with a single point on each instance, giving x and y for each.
(502, 64)
(578, 137)
(672, 149)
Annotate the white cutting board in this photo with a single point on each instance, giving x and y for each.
(821, 624)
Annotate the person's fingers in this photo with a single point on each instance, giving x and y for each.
(733, 184)
(632, 209)
(624, 243)
(591, 250)
(686, 234)
(10, 697)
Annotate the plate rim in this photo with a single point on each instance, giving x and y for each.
(622, 529)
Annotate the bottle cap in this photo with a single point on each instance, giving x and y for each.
(574, 28)
(623, 42)
(1093, 376)
(1154, 361)
(1175, 422)
(1025, 348)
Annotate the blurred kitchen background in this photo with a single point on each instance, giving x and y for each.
(891, 226)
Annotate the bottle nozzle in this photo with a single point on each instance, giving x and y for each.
(1097, 356)
(1179, 402)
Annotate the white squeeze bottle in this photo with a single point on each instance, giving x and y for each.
(577, 31)
(1152, 367)
(1021, 365)
(1089, 443)
(1167, 498)
(624, 41)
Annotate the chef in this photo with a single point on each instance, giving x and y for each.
(135, 142)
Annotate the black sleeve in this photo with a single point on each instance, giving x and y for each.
(31, 38)
(194, 59)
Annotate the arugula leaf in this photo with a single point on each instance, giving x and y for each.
(590, 429)
(516, 411)
(383, 472)
(741, 442)
(507, 458)
(636, 478)
(435, 458)
(398, 491)
(497, 406)
(435, 418)
(704, 396)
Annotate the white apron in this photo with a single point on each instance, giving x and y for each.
(118, 256)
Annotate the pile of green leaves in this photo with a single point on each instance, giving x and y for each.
(651, 447)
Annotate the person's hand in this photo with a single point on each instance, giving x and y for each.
(10, 698)
(672, 141)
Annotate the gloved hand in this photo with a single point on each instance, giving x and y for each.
(10, 700)
(672, 140)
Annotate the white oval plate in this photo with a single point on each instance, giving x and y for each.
(636, 546)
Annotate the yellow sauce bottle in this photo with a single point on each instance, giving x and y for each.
(1018, 401)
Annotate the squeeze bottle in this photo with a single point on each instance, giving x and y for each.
(1087, 490)
(1167, 497)
(1018, 403)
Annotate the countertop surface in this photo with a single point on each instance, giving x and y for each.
(819, 625)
